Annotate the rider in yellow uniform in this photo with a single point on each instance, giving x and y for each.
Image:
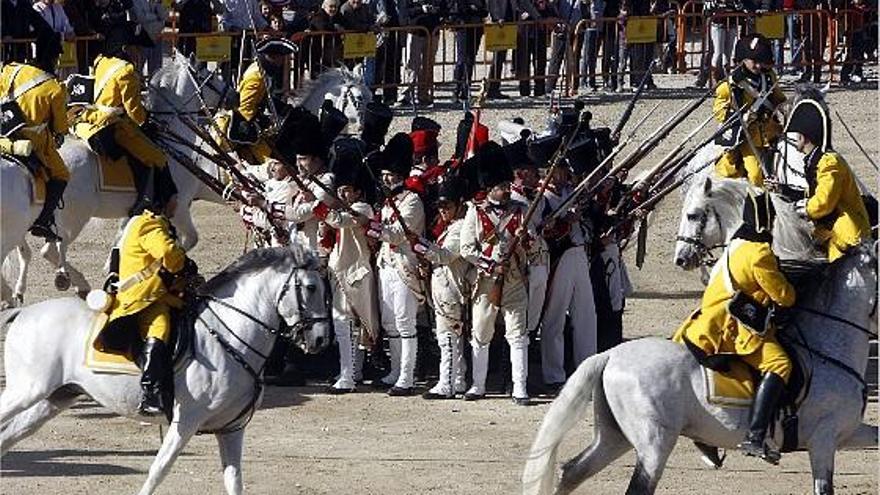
(748, 266)
(119, 120)
(833, 200)
(43, 103)
(148, 260)
(753, 77)
(243, 129)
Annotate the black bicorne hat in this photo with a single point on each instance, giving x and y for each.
(517, 154)
(754, 46)
(541, 149)
(454, 189)
(276, 46)
(759, 211)
(583, 155)
(810, 118)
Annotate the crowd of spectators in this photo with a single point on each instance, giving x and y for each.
(599, 54)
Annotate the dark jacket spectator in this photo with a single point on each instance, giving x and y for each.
(27, 23)
(194, 16)
(325, 51)
(357, 16)
(511, 10)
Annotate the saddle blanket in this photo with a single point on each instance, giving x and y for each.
(735, 388)
(103, 362)
(115, 175)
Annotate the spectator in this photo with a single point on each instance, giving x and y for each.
(85, 19)
(611, 46)
(239, 15)
(593, 11)
(467, 42)
(568, 14)
(506, 11)
(532, 48)
(360, 16)
(325, 51)
(666, 14)
(640, 54)
(27, 24)
(861, 28)
(814, 32)
(55, 17)
(389, 47)
(792, 30)
(722, 32)
(150, 16)
(421, 50)
(622, 47)
(194, 16)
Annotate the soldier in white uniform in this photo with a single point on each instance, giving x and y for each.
(526, 181)
(401, 281)
(355, 309)
(487, 235)
(571, 291)
(451, 282)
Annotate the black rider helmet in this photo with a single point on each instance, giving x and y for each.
(759, 212)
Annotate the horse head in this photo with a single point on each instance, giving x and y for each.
(345, 88)
(186, 86)
(710, 212)
(303, 302)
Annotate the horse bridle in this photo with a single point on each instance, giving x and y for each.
(704, 251)
(243, 418)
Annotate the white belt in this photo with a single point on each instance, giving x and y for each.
(109, 110)
(36, 129)
(139, 277)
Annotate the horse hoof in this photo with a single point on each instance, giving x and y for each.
(82, 294)
(62, 281)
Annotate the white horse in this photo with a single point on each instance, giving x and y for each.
(344, 87)
(711, 213)
(647, 392)
(83, 200)
(264, 295)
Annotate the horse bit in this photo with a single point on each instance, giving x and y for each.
(705, 252)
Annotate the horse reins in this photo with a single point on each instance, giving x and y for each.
(705, 252)
(244, 417)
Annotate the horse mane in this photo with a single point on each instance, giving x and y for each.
(260, 259)
(166, 79)
(310, 95)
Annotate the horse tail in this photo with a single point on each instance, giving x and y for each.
(570, 407)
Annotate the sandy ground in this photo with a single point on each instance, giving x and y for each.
(303, 441)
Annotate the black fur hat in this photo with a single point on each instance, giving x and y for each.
(397, 156)
(493, 168)
(453, 189)
(517, 154)
(333, 121)
(376, 120)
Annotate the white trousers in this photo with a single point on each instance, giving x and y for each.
(398, 307)
(571, 292)
(537, 291)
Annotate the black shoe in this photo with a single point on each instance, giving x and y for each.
(496, 95)
(468, 396)
(44, 231)
(156, 367)
(763, 408)
(380, 385)
(552, 389)
(396, 391)
(522, 401)
(339, 391)
(435, 396)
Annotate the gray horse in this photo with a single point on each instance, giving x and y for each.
(649, 391)
(243, 310)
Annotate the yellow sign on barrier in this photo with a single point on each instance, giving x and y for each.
(500, 37)
(771, 25)
(68, 56)
(359, 45)
(214, 48)
(641, 30)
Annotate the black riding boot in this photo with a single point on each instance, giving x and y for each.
(763, 408)
(156, 367)
(143, 183)
(44, 225)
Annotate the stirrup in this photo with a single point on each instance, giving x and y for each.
(151, 404)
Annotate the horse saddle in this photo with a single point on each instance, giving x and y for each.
(118, 347)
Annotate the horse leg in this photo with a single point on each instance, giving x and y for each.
(822, 447)
(27, 422)
(179, 433)
(608, 444)
(230, 456)
(864, 437)
(186, 228)
(653, 444)
(24, 259)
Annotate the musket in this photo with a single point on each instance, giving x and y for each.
(497, 290)
(566, 204)
(856, 141)
(627, 113)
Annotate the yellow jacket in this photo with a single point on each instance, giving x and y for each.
(762, 130)
(251, 92)
(44, 107)
(146, 246)
(836, 206)
(756, 272)
(117, 93)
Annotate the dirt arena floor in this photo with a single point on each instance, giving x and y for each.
(306, 442)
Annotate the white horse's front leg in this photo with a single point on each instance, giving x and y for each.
(822, 447)
(186, 228)
(24, 259)
(230, 456)
(179, 434)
